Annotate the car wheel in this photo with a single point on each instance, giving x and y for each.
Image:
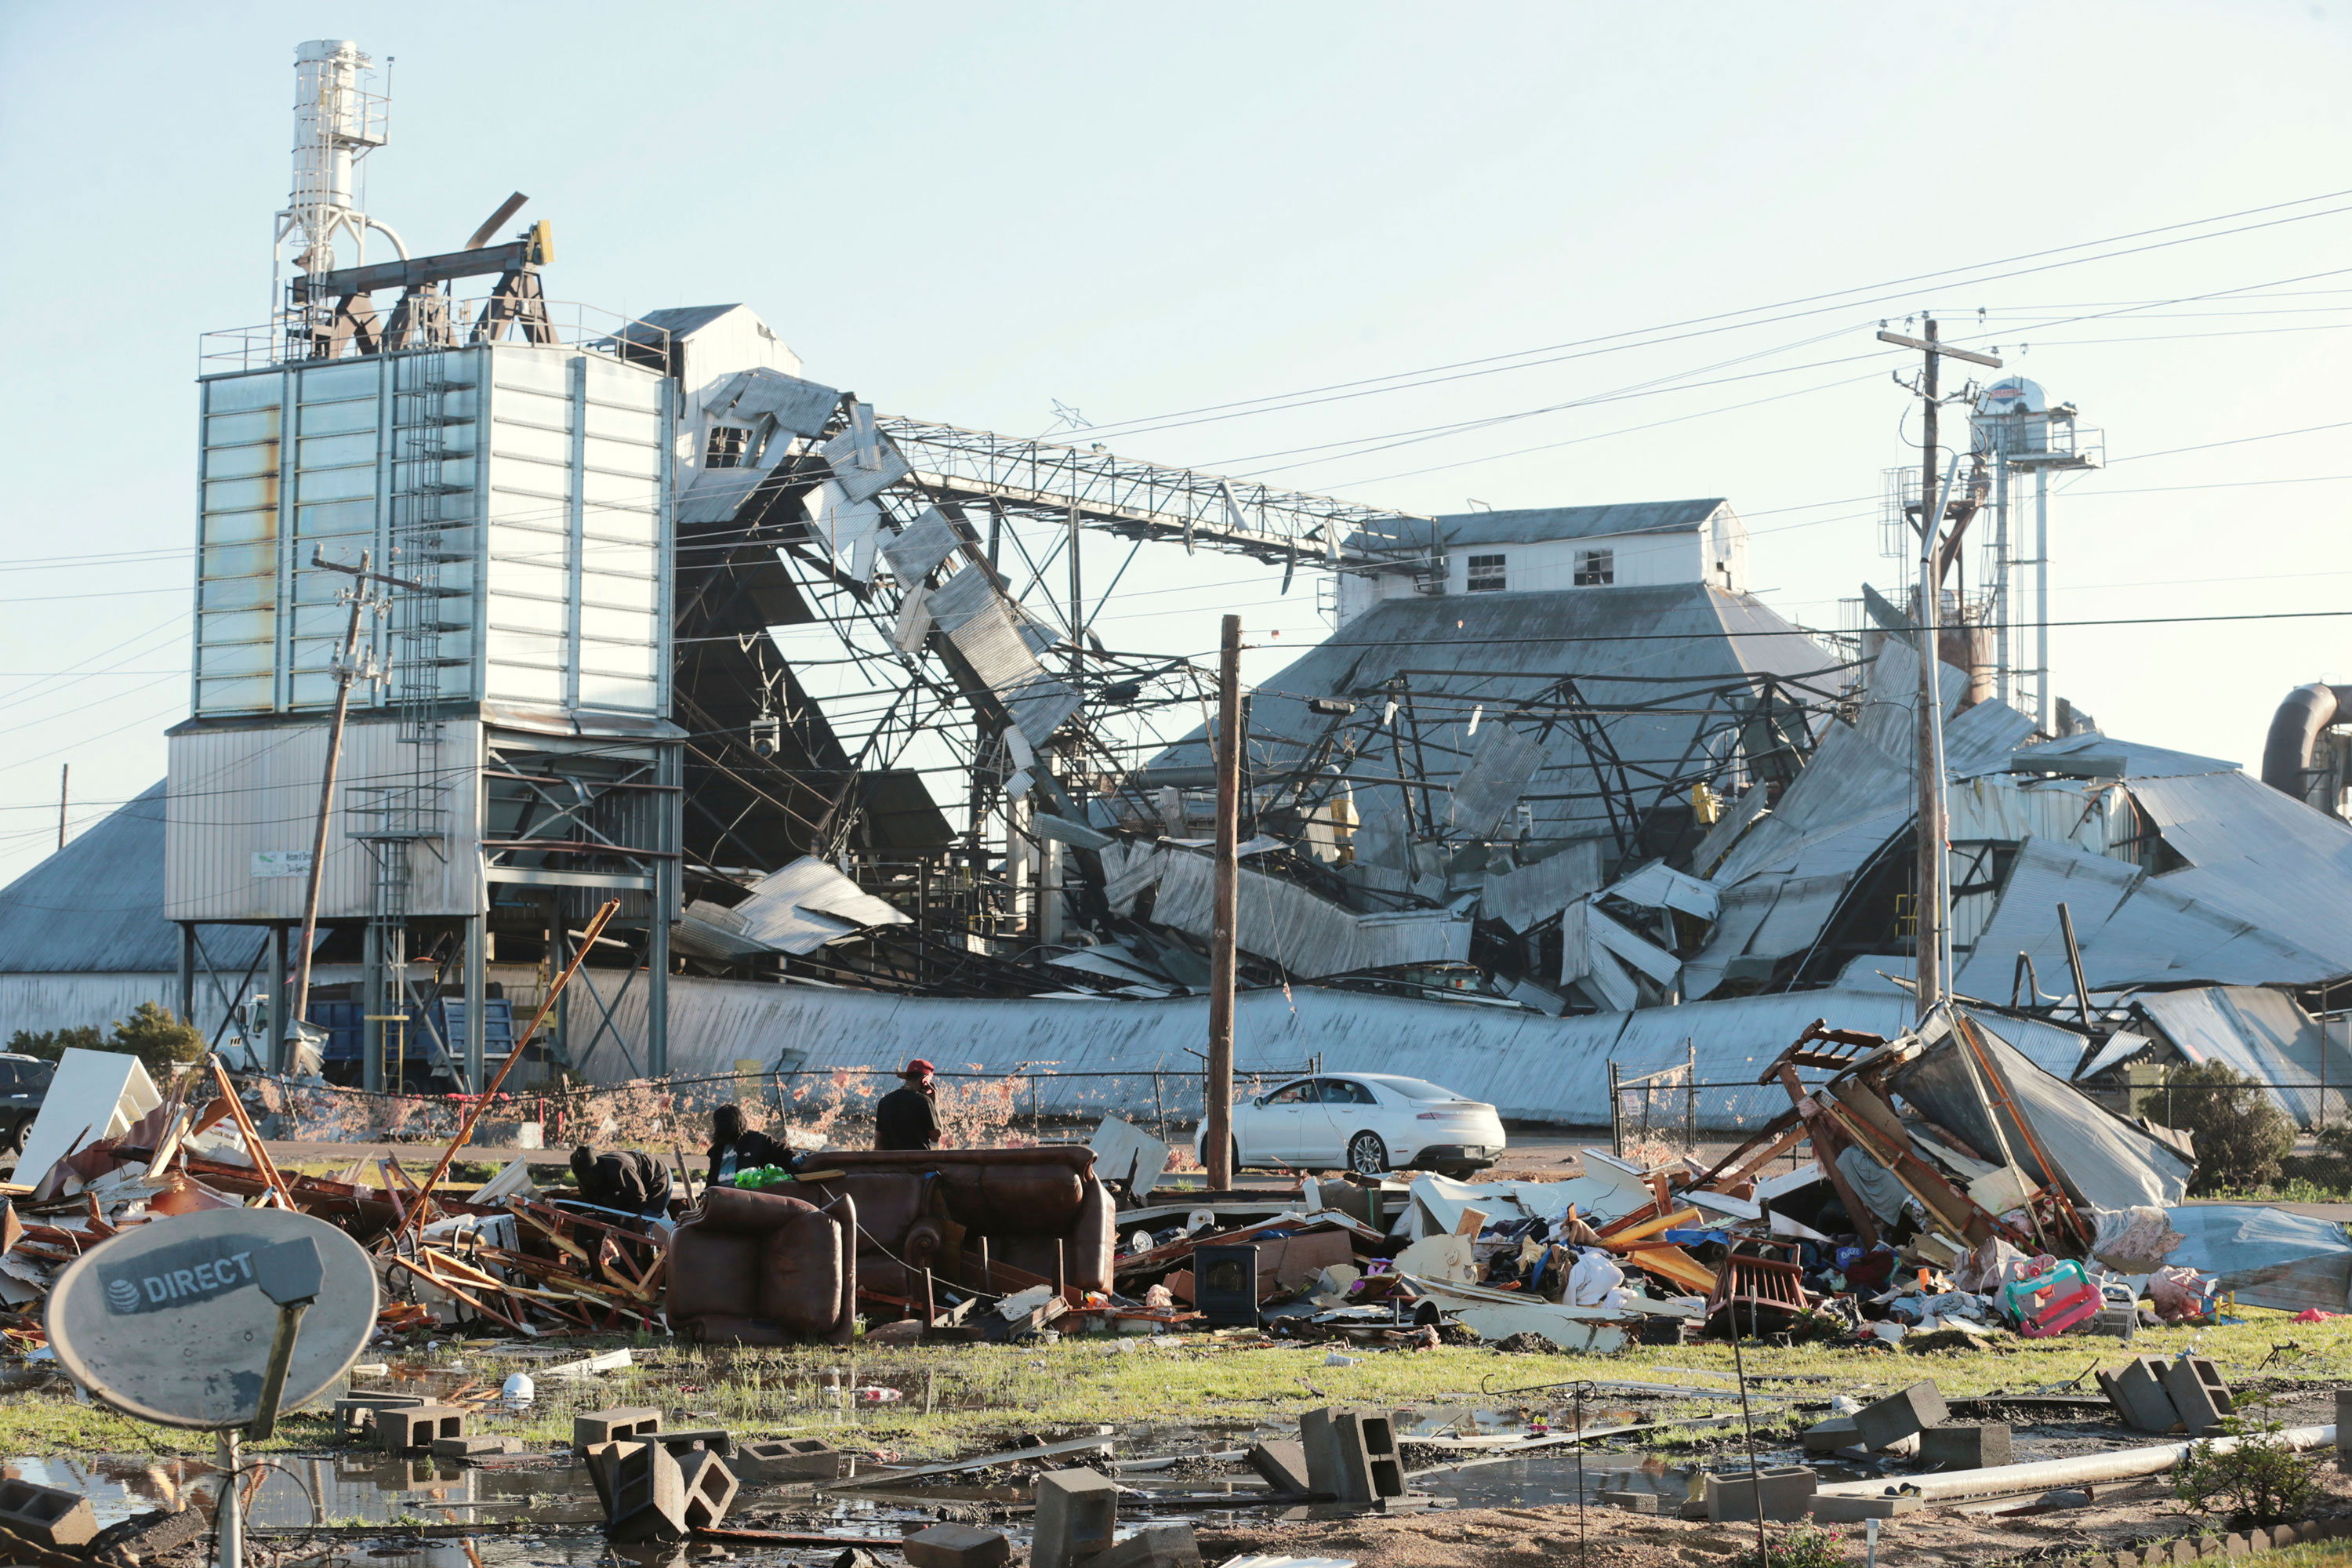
(1366, 1155)
(12, 1137)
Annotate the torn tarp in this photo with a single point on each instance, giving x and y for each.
(2104, 1160)
(2266, 1256)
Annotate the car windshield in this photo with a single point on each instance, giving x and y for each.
(1416, 1089)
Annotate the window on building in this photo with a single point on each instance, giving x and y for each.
(1485, 574)
(726, 449)
(1595, 568)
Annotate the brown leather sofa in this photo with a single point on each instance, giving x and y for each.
(921, 1208)
(761, 1268)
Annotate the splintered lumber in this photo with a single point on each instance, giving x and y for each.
(473, 1112)
(252, 1146)
(1668, 1261)
(462, 1295)
(1618, 1240)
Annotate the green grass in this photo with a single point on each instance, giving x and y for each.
(1190, 1385)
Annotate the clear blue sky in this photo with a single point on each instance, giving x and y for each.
(967, 213)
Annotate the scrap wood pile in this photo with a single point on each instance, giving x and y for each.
(1928, 1196)
(507, 1257)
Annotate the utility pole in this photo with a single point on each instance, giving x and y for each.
(65, 776)
(348, 669)
(1931, 889)
(1218, 1143)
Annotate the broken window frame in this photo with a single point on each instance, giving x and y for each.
(1596, 568)
(1485, 574)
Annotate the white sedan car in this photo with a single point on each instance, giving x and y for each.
(1367, 1123)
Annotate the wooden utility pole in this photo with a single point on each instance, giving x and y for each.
(65, 777)
(346, 671)
(1217, 1144)
(1930, 893)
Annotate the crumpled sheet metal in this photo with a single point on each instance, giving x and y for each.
(2104, 1161)
(2266, 1254)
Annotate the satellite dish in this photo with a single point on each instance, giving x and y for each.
(174, 1321)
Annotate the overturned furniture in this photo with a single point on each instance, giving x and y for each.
(1040, 1211)
(761, 1268)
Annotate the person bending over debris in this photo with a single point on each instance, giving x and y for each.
(629, 1180)
(735, 1148)
(909, 1116)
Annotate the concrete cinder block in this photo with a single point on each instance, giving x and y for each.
(1153, 1546)
(472, 1447)
(648, 1498)
(710, 1487)
(788, 1459)
(680, 1441)
(50, 1516)
(1853, 1509)
(1632, 1502)
(1966, 1447)
(412, 1427)
(2137, 1393)
(1828, 1437)
(614, 1426)
(1281, 1465)
(355, 1416)
(1785, 1492)
(2198, 1393)
(600, 1461)
(1367, 1441)
(1900, 1415)
(1078, 1513)
(958, 1546)
(1336, 1469)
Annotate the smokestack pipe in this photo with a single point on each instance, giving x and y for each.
(2295, 728)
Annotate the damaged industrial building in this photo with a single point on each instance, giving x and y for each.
(562, 608)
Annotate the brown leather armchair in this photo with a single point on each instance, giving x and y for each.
(761, 1268)
(920, 1207)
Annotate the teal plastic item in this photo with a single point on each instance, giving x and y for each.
(2073, 1298)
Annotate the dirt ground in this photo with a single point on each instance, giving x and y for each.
(2122, 1515)
(1958, 1535)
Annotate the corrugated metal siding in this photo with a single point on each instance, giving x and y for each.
(43, 1002)
(2260, 857)
(2265, 1036)
(237, 792)
(1306, 934)
(1528, 1065)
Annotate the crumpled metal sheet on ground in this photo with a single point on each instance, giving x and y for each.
(2266, 1254)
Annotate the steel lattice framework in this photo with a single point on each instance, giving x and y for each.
(1138, 500)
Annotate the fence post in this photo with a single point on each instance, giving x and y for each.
(1690, 1099)
(1616, 1125)
(1158, 1105)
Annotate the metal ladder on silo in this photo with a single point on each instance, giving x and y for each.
(407, 806)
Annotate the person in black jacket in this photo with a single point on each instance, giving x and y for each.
(909, 1116)
(735, 1149)
(629, 1180)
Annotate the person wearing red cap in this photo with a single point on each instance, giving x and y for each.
(909, 1116)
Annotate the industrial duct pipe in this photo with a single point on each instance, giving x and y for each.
(2295, 728)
